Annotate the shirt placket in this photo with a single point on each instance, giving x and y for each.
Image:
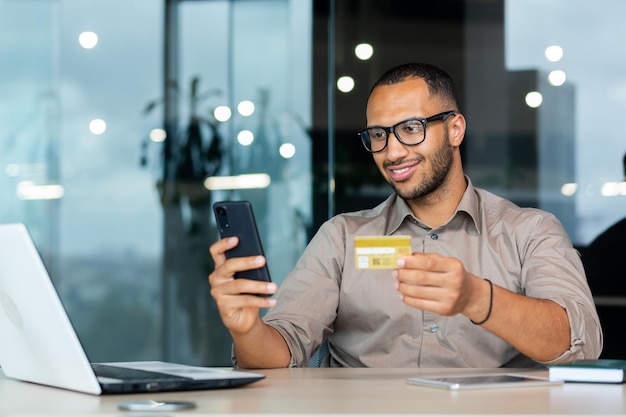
(432, 324)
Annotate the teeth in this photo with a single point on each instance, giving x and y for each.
(399, 171)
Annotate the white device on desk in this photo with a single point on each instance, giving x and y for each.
(38, 342)
(460, 382)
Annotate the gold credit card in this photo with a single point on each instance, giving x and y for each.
(380, 252)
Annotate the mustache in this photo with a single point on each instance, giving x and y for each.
(392, 164)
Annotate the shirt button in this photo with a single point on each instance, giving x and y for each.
(434, 328)
(434, 236)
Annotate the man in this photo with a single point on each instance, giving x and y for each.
(489, 284)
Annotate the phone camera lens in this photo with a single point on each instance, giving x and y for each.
(222, 218)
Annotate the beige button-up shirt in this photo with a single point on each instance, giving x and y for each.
(524, 250)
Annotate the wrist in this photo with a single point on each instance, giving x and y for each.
(481, 317)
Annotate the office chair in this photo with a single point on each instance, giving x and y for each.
(317, 359)
(606, 273)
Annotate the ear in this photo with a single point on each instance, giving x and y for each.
(457, 130)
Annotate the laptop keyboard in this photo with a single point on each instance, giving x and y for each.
(117, 372)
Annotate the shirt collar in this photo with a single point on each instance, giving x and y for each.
(470, 204)
(400, 210)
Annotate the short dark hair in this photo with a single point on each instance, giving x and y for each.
(439, 82)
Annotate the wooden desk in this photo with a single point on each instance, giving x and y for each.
(328, 392)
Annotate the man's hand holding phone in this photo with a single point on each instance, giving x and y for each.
(237, 304)
(239, 308)
(240, 283)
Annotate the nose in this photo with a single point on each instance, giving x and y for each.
(395, 148)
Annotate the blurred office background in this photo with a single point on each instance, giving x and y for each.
(122, 121)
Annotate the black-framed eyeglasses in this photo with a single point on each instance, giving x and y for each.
(409, 132)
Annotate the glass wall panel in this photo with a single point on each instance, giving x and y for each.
(126, 236)
(29, 120)
(546, 38)
(75, 78)
(243, 103)
(110, 217)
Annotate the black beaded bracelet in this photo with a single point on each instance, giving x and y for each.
(478, 323)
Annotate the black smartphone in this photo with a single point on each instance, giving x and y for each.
(236, 218)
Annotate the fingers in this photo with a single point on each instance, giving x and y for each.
(237, 304)
(425, 261)
(223, 277)
(439, 300)
(431, 282)
(243, 293)
(218, 249)
(225, 270)
(238, 299)
(260, 291)
(240, 312)
(428, 269)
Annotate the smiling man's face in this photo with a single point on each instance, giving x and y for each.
(413, 171)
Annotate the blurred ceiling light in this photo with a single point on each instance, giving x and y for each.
(15, 170)
(238, 182)
(97, 126)
(554, 53)
(12, 170)
(158, 135)
(569, 189)
(534, 99)
(612, 189)
(364, 51)
(28, 190)
(345, 84)
(245, 137)
(557, 78)
(245, 108)
(222, 113)
(287, 150)
(88, 40)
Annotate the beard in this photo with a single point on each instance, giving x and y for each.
(441, 162)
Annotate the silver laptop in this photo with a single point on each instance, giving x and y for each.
(38, 343)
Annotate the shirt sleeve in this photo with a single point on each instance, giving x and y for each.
(308, 297)
(552, 269)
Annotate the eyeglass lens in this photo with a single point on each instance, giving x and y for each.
(409, 132)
